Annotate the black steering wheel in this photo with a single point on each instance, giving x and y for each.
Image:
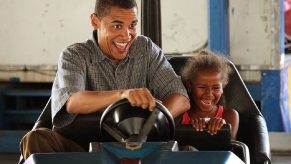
(124, 123)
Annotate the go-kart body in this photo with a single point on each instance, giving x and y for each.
(132, 127)
(150, 153)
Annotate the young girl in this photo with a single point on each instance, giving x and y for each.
(205, 75)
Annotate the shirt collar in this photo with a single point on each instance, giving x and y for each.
(99, 55)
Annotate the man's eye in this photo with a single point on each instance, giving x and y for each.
(117, 26)
(133, 25)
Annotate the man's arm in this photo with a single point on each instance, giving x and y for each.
(85, 102)
(177, 104)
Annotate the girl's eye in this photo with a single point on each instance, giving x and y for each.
(216, 89)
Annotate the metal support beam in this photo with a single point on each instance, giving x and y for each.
(218, 26)
(151, 20)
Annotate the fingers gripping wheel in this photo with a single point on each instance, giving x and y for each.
(122, 122)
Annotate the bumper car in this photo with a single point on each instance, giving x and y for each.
(125, 134)
(134, 135)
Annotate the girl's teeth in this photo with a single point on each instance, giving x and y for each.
(208, 102)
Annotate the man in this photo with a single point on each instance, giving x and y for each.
(114, 64)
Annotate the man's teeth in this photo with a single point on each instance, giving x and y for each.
(121, 45)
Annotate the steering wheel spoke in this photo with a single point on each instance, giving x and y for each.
(148, 125)
(115, 133)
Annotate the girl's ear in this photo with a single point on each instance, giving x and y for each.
(95, 22)
(189, 87)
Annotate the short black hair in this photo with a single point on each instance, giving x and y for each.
(102, 7)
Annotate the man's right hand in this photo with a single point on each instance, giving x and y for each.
(140, 97)
(85, 102)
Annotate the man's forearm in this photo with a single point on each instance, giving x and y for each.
(85, 102)
(177, 104)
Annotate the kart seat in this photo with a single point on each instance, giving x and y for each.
(252, 126)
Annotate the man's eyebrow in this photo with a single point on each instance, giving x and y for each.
(120, 22)
(117, 21)
(135, 21)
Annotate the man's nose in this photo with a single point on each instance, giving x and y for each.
(126, 34)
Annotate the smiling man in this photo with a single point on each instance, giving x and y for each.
(116, 31)
(113, 64)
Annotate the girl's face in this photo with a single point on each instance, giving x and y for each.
(206, 89)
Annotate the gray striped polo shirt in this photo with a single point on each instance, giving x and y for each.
(83, 66)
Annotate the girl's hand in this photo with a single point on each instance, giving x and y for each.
(214, 125)
(199, 124)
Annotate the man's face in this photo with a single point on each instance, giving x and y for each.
(116, 32)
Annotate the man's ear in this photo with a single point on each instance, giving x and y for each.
(95, 22)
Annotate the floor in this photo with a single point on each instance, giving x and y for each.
(281, 159)
(280, 149)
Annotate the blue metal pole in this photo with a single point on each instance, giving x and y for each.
(218, 27)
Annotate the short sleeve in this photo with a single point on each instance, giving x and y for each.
(70, 78)
(163, 79)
